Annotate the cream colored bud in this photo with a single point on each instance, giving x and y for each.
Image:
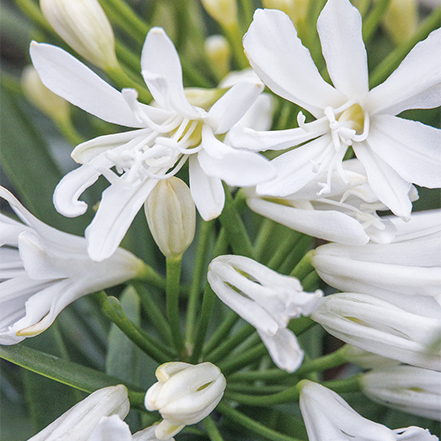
(223, 11)
(38, 94)
(185, 394)
(401, 19)
(84, 26)
(171, 215)
(295, 9)
(218, 52)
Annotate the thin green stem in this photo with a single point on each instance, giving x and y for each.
(373, 20)
(149, 275)
(243, 360)
(69, 131)
(264, 236)
(351, 384)
(212, 430)
(258, 389)
(296, 255)
(284, 249)
(251, 424)
(34, 13)
(172, 295)
(334, 359)
(221, 332)
(311, 281)
(128, 57)
(304, 267)
(264, 375)
(198, 278)
(234, 36)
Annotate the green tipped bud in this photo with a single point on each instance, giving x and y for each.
(84, 26)
(171, 215)
(218, 52)
(295, 9)
(223, 11)
(38, 94)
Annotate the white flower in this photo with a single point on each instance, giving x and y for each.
(347, 214)
(406, 331)
(78, 422)
(165, 137)
(407, 388)
(43, 270)
(265, 299)
(410, 265)
(185, 394)
(396, 152)
(329, 418)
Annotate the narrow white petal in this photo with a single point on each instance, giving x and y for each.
(259, 116)
(339, 28)
(415, 84)
(423, 225)
(285, 65)
(111, 428)
(72, 80)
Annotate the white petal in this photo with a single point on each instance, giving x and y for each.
(259, 116)
(339, 28)
(412, 149)
(207, 191)
(72, 80)
(233, 105)
(423, 225)
(413, 433)
(415, 84)
(285, 65)
(111, 428)
(387, 184)
(162, 73)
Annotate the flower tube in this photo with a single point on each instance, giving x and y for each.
(43, 270)
(265, 299)
(184, 394)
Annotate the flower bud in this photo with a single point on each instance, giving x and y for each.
(84, 26)
(171, 216)
(295, 9)
(223, 11)
(218, 52)
(401, 19)
(185, 394)
(38, 94)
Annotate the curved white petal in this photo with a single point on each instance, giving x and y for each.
(387, 184)
(259, 116)
(411, 148)
(285, 65)
(64, 75)
(111, 428)
(415, 84)
(233, 105)
(423, 225)
(339, 28)
(161, 69)
(207, 191)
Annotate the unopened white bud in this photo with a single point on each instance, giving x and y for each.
(185, 394)
(218, 52)
(295, 9)
(38, 94)
(171, 215)
(401, 19)
(223, 11)
(84, 26)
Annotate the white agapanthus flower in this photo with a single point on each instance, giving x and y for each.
(347, 214)
(265, 299)
(410, 265)
(166, 135)
(409, 332)
(328, 417)
(43, 270)
(395, 152)
(407, 388)
(184, 394)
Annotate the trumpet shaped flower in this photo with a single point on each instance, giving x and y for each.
(265, 299)
(43, 270)
(329, 418)
(395, 152)
(184, 394)
(165, 137)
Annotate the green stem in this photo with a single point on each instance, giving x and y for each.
(264, 237)
(198, 278)
(296, 255)
(304, 267)
(351, 384)
(221, 332)
(111, 308)
(284, 249)
(172, 295)
(68, 130)
(259, 389)
(264, 375)
(150, 276)
(251, 424)
(213, 432)
(334, 359)
(311, 281)
(234, 36)
(391, 62)
(34, 13)
(128, 57)
(373, 20)
(243, 360)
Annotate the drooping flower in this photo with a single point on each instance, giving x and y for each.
(43, 270)
(395, 152)
(184, 394)
(166, 136)
(410, 265)
(407, 388)
(347, 214)
(265, 299)
(329, 418)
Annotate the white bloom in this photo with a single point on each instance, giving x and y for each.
(43, 270)
(396, 152)
(329, 418)
(367, 360)
(185, 394)
(347, 214)
(410, 265)
(78, 422)
(409, 332)
(165, 137)
(265, 299)
(407, 388)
